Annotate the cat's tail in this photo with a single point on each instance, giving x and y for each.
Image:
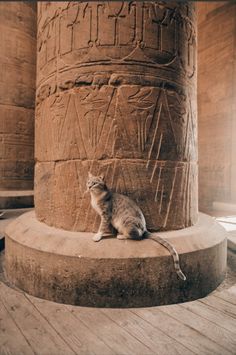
(135, 233)
(171, 249)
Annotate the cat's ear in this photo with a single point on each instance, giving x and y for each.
(102, 177)
(90, 175)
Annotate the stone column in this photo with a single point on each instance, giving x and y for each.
(217, 105)
(116, 93)
(17, 92)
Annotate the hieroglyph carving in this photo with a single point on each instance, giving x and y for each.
(130, 121)
(133, 136)
(116, 32)
(115, 96)
(165, 191)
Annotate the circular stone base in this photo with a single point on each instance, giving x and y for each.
(16, 199)
(68, 267)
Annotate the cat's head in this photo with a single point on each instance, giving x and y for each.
(95, 183)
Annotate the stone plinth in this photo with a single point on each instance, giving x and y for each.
(116, 95)
(17, 92)
(16, 199)
(69, 267)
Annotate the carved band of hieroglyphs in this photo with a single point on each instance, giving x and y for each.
(130, 121)
(117, 32)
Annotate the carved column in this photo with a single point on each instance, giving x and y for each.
(116, 93)
(17, 92)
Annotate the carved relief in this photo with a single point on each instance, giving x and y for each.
(115, 96)
(155, 34)
(162, 201)
(106, 122)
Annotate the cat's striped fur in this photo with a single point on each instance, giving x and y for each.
(122, 213)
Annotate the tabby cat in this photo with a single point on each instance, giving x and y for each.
(120, 212)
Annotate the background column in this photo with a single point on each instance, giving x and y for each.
(217, 105)
(17, 92)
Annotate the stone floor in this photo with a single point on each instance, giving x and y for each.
(29, 325)
(228, 220)
(229, 223)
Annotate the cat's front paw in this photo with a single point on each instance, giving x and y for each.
(120, 236)
(97, 237)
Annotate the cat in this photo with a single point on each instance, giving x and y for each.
(121, 213)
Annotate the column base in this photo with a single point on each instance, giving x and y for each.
(68, 267)
(16, 199)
